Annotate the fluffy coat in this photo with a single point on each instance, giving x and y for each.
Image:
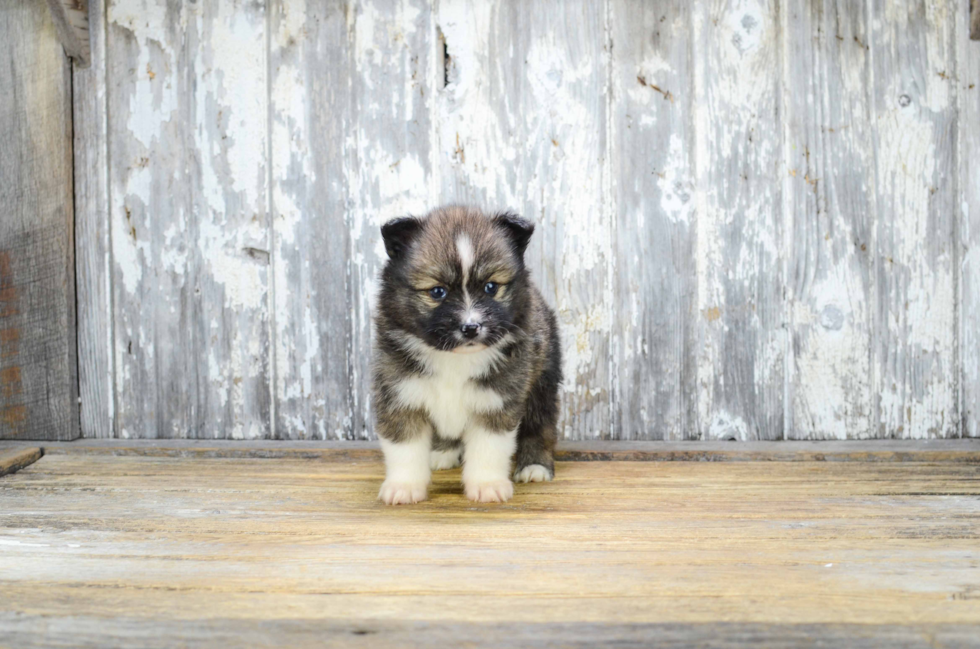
(467, 361)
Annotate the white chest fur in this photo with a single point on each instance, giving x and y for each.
(447, 391)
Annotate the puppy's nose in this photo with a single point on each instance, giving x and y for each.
(470, 330)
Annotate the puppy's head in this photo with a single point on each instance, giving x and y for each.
(456, 278)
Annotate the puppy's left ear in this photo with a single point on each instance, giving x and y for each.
(519, 230)
(399, 233)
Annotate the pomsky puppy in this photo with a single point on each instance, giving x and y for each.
(467, 361)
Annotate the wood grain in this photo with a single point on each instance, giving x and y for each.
(14, 459)
(946, 450)
(38, 361)
(753, 219)
(190, 231)
(915, 144)
(390, 163)
(479, 67)
(220, 543)
(655, 334)
(71, 21)
(131, 632)
(310, 64)
(522, 126)
(830, 212)
(93, 246)
(974, 20)
(566, 186)
(740, 229)
(968, 233)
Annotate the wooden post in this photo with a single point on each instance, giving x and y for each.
(38, 388)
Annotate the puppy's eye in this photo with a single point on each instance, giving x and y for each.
(437, 293)
(490, 288)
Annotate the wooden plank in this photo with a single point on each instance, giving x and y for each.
(944, 450)
(34, 630)
(975, 20)
(915, 310)
(386, 108)
(310, 64)
(479, 64)
(968, 204)
(654, 340)
(189, 209)
(830, 207)
(71, 22)
(93, 250)
(522, 126)
(479, 72)
(249, 541)
(567, 187)
(15, 459)
(38, 363)
(740, 226)
(390, 158)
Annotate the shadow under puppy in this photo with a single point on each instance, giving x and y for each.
(467, 361)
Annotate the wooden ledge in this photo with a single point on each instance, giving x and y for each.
(16, 458)
(959, 450)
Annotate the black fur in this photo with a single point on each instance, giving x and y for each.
(527, 377)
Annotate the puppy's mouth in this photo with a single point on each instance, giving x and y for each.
(469, 347)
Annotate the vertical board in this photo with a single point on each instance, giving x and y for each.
(564, 108)
(310, 138)
(38, 361)
(390, 164)
(740, 248)
(189, 228)
(479, 61)
(915, 325)
(967, 81)
(829, 202)
(522, 123)
(750, 213)
(93, 251)
(652, 168)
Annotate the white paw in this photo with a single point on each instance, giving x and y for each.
(402, 493)
(495, 491)
(533, 473)
(439, 460)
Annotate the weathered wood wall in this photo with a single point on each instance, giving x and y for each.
(38, 386)
(756, 219)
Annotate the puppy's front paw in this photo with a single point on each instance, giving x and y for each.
(533, 473)
(402, 493)
(495, 491)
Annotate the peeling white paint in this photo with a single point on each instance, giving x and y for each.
(526, 121)
(477, 128)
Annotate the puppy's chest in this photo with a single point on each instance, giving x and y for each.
(449, 394)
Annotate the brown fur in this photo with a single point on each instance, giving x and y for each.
(517, 323)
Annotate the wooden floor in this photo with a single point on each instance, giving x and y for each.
(144, 550)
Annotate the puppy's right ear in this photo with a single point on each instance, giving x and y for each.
(519, 230)
(399, 233)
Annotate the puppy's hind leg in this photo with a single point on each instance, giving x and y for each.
(535, 455)
(536, 436)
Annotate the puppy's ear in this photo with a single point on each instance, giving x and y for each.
(399, 234)
(519, 230)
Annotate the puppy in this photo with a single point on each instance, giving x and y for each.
(467, 361)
